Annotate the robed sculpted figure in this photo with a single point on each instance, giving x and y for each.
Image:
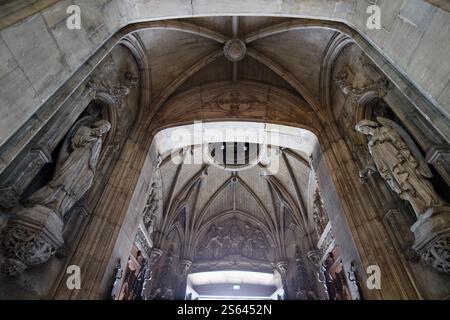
(35, 231)
(398, 160)
(75, 169)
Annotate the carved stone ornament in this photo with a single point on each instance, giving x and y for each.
(235, 50)
(326, 241)
(319, 215)
(432, 238)
(234, 102)
(144, 242)
(185, 266)
(379, 87)
(8, 198)
(315, 256)
(233, 238)
(399, 162)
(155, 254)
(282, 268)
(31, 238)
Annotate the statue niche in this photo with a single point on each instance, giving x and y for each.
(34, 233)
(399, 162)
(75, 170)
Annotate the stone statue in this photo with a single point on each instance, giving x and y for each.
(399, 162)
(34, 232)
(74, 171)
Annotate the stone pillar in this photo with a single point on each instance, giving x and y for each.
(282, 268)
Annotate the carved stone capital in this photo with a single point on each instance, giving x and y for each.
(32, 236)
(282, 268)
(315, 256)
(185, 266)
(155, 254)
(432, 238)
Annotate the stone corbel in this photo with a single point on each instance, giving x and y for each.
(32, 237)
(144, 241)
(432, 238)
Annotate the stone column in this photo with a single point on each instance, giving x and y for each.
(282, 268)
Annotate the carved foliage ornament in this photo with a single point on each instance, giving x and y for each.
(438, 255)
(24, 248)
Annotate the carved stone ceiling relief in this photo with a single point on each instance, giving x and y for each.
(207, 50)
(233, 238)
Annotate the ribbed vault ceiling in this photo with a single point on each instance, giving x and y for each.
(186, 59)
(189, 53)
